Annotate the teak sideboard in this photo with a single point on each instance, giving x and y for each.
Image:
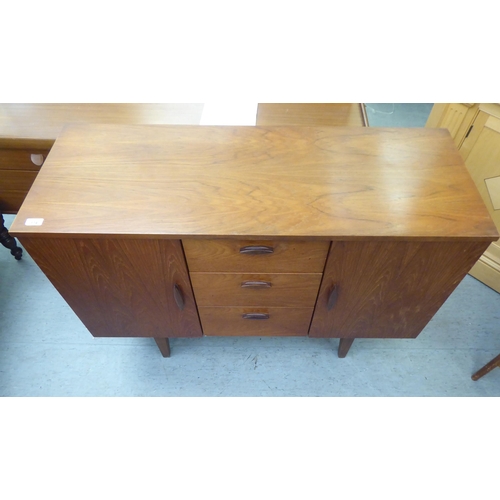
(184, 231)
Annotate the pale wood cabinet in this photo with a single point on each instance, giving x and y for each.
(183, 231)
(456, 117)
(477, 133)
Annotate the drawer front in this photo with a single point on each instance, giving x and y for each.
(22, 159)
(14, 186)
(230, 321)
(235, 289)
(247, 256)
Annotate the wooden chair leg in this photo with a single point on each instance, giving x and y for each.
(8, 241)
(495, 362)
(164, 346)
(344, 346)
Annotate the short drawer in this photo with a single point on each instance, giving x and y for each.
(247, 256)
(255, 321)
(235, 289)
(14, 186)
(22, 159)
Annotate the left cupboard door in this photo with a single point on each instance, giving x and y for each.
(121, 287)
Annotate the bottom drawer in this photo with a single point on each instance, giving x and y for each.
(255, 321)
(14, 186)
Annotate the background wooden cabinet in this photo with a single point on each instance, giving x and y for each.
(475, 128)
(18, 169)
(457, 118)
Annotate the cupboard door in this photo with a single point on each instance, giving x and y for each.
(483, 162)
(388, 289)
(121, 287)
(456, 117)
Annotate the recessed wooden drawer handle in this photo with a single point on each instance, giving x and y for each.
(256, 250)
(255, 316)
(332, 298)
(256, 284)
(37, 160)
(179, 298)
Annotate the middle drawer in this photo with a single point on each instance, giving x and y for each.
(257, 289)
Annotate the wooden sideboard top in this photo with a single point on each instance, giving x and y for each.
(38, 125)
(224, 181)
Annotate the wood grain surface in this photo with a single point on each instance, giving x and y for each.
(120, 288)
(224, 256)
(228, 321)
(285, 290)
(288, 182)
(312, 114)
(20, 159)
(389, 289)
(14, 186)
(41, 123)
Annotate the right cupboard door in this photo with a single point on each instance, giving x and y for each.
(388, 289)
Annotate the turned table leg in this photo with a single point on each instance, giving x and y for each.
(344, 346)
(164, 346)
(495, 362)
(8, 241)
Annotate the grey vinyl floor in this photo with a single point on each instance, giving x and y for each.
(46, 351)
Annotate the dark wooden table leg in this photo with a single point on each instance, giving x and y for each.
(164, 346)
(495, 362)
(344, 346)
(8, 241)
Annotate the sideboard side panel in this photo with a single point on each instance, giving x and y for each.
(389, 289)
(120, 287)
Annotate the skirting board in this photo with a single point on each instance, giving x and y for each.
(488, 272)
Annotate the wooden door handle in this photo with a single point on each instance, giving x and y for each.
(178, 297)
(256, 250)
(332, 298)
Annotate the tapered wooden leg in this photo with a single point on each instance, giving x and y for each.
(164, 346)
(344, 346)
(487, 368)
(8, 241)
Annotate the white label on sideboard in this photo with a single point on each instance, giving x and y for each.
(33, 222)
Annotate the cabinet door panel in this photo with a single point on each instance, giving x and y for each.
(121, 287)
(483, 163)
(388, 289)
(456, 117)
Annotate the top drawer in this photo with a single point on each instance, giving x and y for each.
(22, 159)
(253, 256)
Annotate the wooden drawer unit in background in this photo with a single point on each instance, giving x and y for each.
(338, 232)
(18, 169)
